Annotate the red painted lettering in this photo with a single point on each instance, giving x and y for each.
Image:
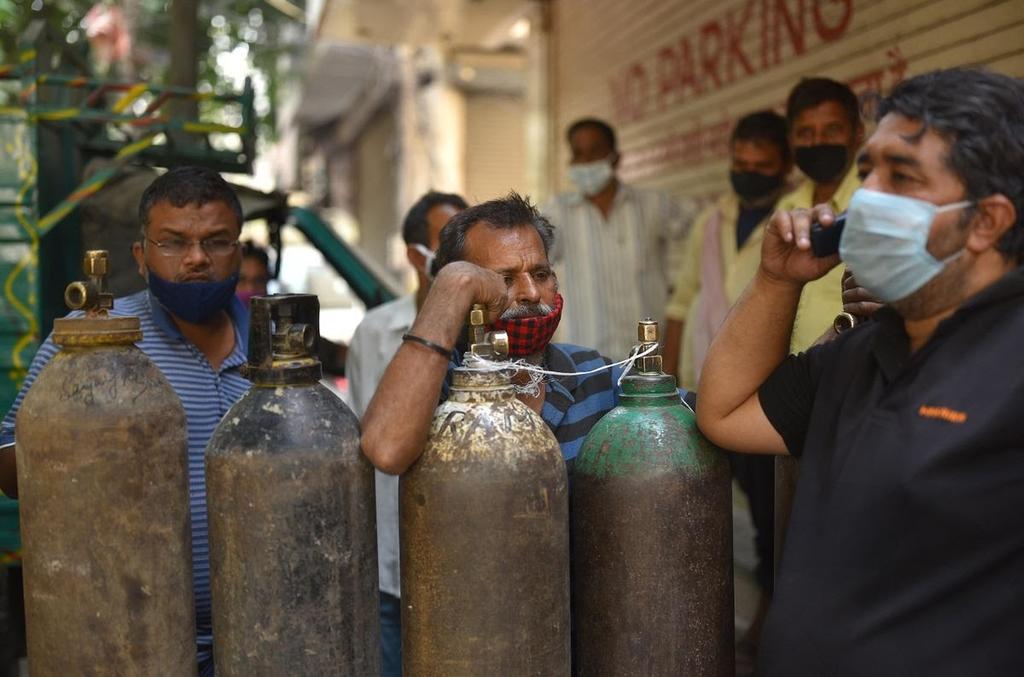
(667, 70)
(638, 91)
(834, 29)
(794, 26)
(710, 51)
(734, 31)
(687, 71)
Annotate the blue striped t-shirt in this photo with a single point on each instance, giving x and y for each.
(206, 396)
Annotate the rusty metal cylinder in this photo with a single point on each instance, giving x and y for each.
(293, 549)
(652, 538)
(484, 540)
(103, 484)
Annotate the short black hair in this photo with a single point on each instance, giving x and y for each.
(251, 250)
(414, 228)
(764, 125)
(511, 211)
(598, 124)
(190, 185)
(981, 115)
(811, 92)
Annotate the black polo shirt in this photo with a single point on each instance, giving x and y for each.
(905, 549)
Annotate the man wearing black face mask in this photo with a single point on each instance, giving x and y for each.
(826, 132)
(724, 248)
(194, 329)
(720, 258)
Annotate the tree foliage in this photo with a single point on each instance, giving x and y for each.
(235, 38)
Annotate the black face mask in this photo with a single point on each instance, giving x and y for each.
(752, 186)
(823, 163)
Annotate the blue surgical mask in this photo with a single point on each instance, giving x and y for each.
(885, 242)
(591, 177)
(195, 302)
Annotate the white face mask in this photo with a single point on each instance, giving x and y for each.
(592, 177)
(885, 242)
(429, 256)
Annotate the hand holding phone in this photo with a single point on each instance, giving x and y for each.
(825, 239)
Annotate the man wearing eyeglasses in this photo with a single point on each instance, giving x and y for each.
(193, 328)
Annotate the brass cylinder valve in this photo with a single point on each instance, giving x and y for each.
(492, 345)
(647, 335)
(91, 294)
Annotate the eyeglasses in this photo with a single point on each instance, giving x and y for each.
(177, 248)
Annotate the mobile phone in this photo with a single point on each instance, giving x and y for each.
(825, 239)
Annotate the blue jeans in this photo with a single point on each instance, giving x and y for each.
(390, 635)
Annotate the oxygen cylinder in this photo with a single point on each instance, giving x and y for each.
(102, 457)
(484, 535)
(652, 537)
(293, 546)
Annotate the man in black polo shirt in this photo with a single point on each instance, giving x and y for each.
(905, 550)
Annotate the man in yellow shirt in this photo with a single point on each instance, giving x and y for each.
(826, 131)
(723, 250)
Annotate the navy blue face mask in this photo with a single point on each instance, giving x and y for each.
(195, 302)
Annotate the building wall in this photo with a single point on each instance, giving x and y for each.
(377, 181)
(673, 76)
(495, 145)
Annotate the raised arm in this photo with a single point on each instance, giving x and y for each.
(398, 418)
(755, 337)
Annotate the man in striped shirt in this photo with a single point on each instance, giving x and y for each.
(193, 328)
(495, 254)
(618, 245)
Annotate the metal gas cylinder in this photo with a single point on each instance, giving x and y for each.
(652, 537)
(484, 535)
(293, 546)
(102, 458)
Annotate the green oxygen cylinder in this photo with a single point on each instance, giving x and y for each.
(652, 537)
(293, 548)
(484, 535)
(102, 459)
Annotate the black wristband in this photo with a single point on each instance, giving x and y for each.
(440, 350)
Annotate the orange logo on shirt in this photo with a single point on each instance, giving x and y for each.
(943, 413)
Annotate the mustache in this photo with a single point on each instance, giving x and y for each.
(522, 310)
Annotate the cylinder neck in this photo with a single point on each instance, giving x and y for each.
(496, 383)
(648, 390)
(96, 327)
(283, 334)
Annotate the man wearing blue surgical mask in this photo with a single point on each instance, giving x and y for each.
(193, 328)
(374, 343)
(904, 550)
(617, 246)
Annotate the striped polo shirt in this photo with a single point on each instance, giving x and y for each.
(205, 394)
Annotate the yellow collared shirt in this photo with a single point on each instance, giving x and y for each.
(822, 299)
(740, 266)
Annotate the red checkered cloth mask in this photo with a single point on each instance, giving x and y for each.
(530, 335)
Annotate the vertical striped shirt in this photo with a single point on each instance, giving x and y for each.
(617, 270)
(206, 395)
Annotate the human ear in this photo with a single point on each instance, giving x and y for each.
(994, 215)
(140, 257)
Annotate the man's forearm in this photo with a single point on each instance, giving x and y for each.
(398, 418)
(751, 343)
